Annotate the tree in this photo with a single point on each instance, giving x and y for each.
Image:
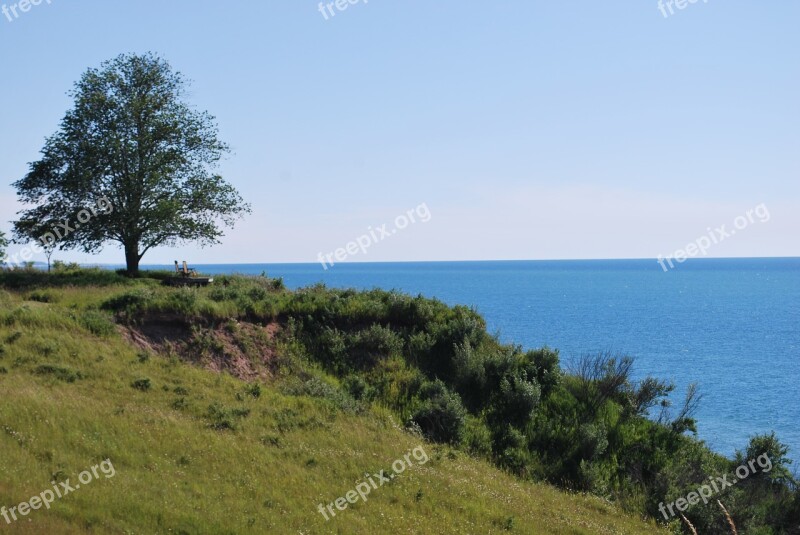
(3, 245)
(132, 139)
(42, 236)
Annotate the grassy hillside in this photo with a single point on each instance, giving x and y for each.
(216, 421)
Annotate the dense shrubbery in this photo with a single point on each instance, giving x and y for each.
(26, 276)
(437, 367)
(441, 416)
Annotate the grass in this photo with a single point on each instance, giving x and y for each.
(196, 451)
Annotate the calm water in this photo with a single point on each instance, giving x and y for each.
(731, 325)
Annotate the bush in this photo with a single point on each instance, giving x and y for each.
(253, 390)
(358, 388)
(143, 384)
(223, 418)
(478, 438)
(97, 322)
(62, 374)
(129, 302)
(317, 388)
(441, 415)
(42, 297)
(30, 277)
(368, 346)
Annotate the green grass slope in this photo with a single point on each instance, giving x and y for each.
(201, 451)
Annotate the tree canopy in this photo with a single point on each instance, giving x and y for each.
(132, 163)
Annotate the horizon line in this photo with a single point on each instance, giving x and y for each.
(654, 259)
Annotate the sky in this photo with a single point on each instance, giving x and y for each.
(524, 129)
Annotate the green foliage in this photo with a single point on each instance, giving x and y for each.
(144, 384)
(42, 297)
(97, 322)
(425, 363)
(441, 415)
(170, 433)
(223, 418)
(58, 372)
(253, 390)
(130, 125)
(20, 278)
(129, 303)
(359, 388)
(321, 389)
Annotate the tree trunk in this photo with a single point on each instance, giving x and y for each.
(132, 258)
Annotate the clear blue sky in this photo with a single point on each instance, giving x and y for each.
(530, 129)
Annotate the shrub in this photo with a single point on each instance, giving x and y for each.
(129, 302)
(357, 387)
(42, 297)
(254, 390)
(62, 374)
(223, 418)
(97, 322)
(143, 384)
(13, 337)
(441, 415)
(317, 388)
(478, 438)
(183, 301)
(515, 401)
(368, 346)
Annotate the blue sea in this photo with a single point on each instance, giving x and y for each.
(730, 325)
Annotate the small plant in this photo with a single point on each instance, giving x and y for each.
(254, 390)
(278, 284)
(224, 419)
(357, 387)
(62, 374)
(97, 322)
(271, 440)
(42, 297)
(47, 347)
(143, 384)
(129, 302)
(13, 337)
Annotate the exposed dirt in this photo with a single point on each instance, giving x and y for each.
(245, 350)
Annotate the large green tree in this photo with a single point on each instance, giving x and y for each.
(132, 140)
